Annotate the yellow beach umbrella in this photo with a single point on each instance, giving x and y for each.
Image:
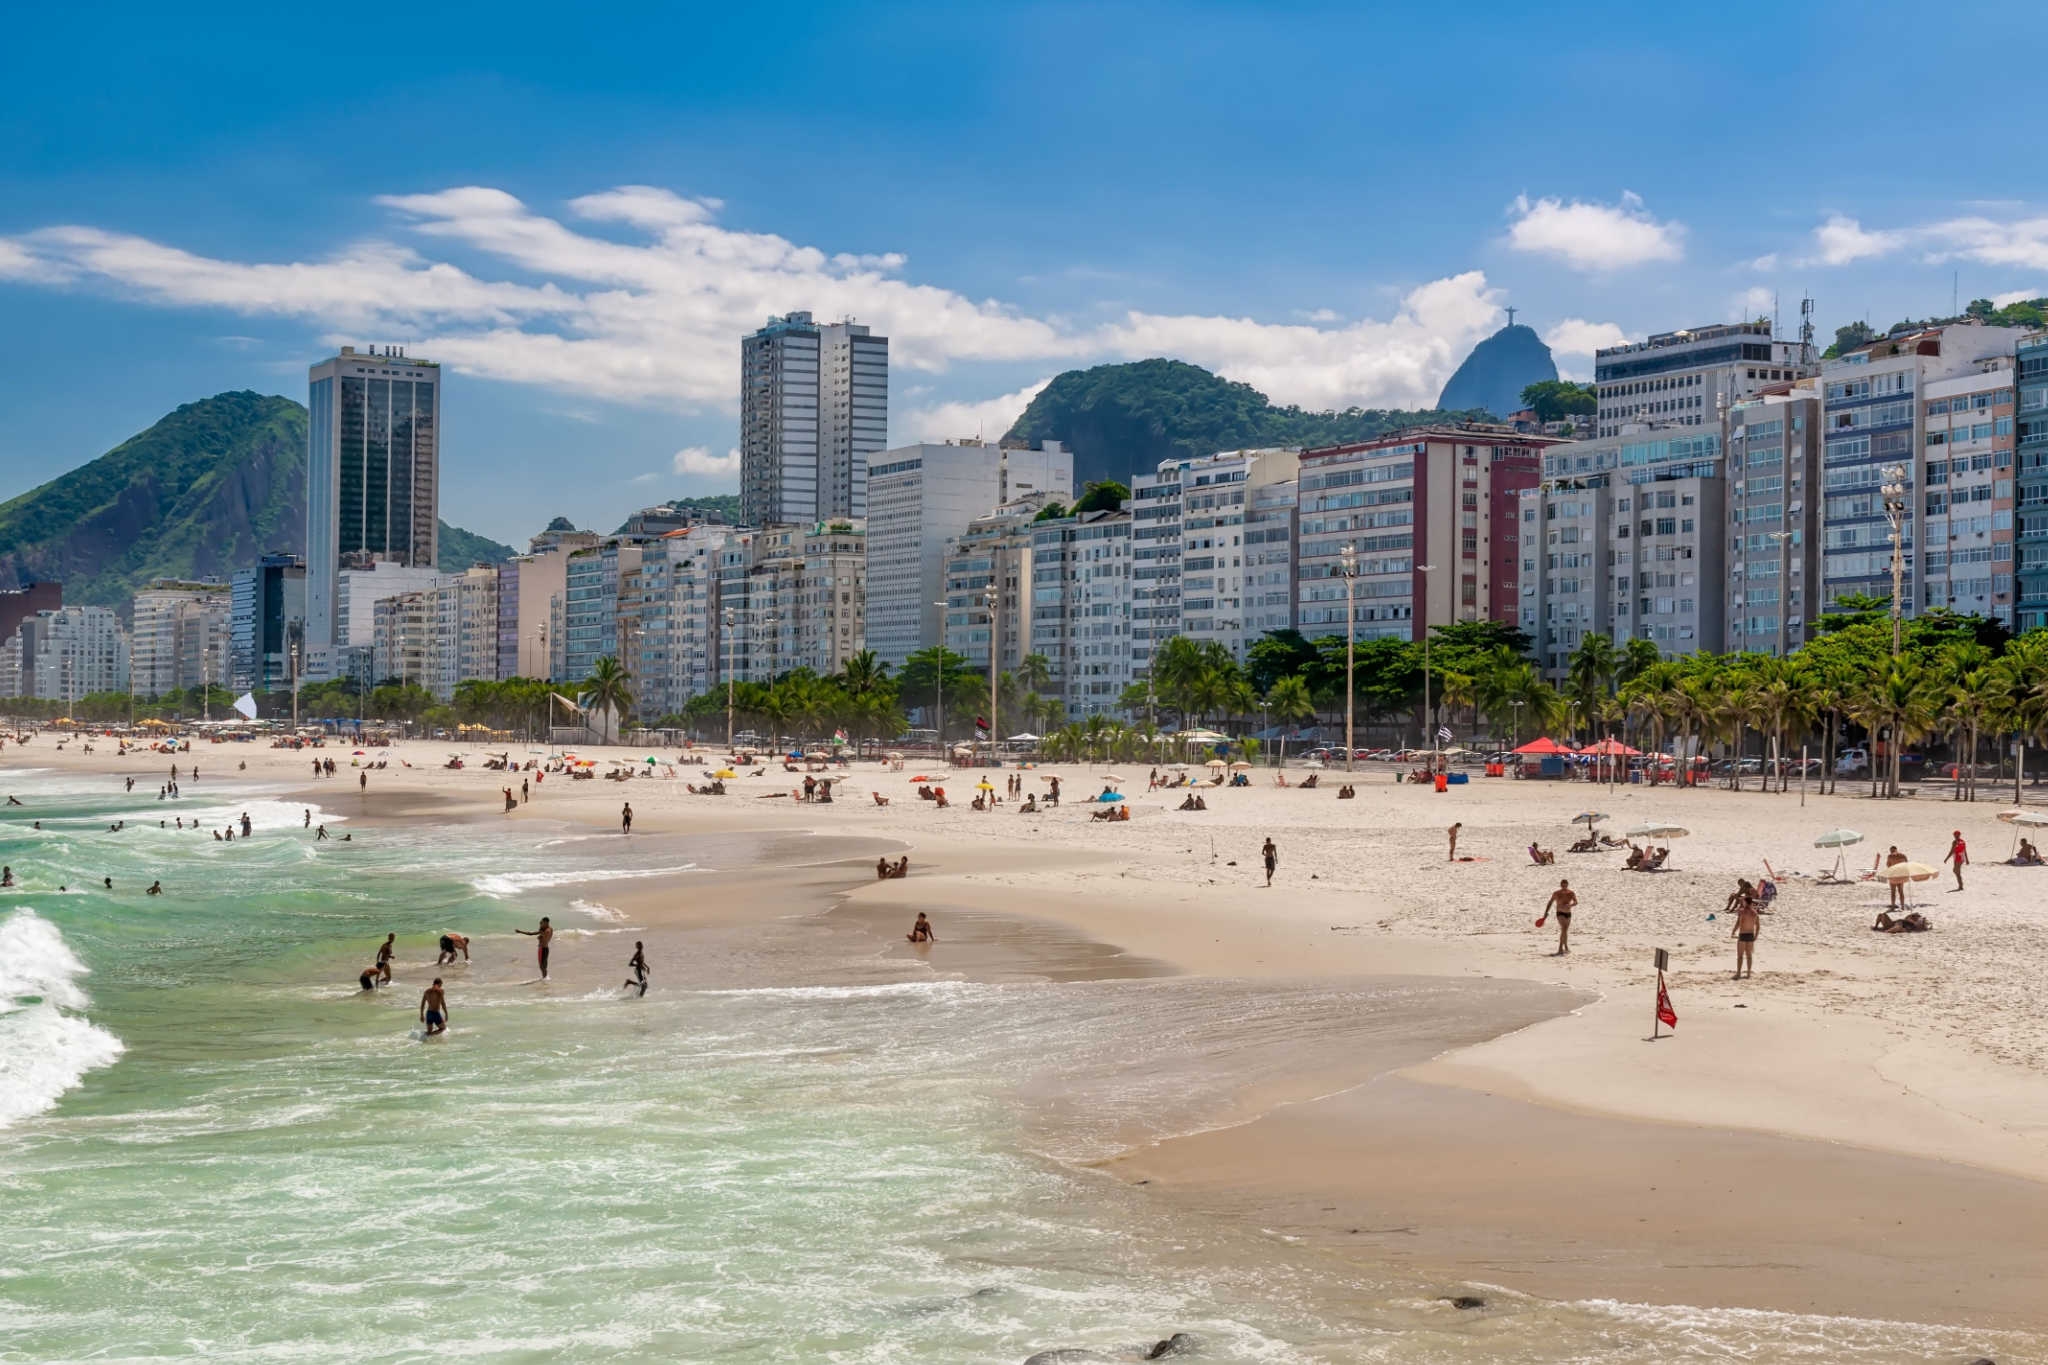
(724, 773)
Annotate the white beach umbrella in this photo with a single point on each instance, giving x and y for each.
(1657, 832)
(1908, 872)
(1838, 838)
(2023, 816)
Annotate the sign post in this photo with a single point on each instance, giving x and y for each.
(1663, 961)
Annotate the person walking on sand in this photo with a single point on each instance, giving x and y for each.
(546, 935)
(637, 964)
(434, 1008)
(384, 952)
(1271, 855)
(522, 791)
(1958, 854)
(626, 818)
(1749, 923)
(1560, 903)
(1453, 832)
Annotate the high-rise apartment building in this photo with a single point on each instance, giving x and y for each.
(1874, 432)
(1968, 502)
(18, 604)
(1081, 608)
(1684, 378)
(2030, 535)
(530, 597)
(463, 641)
(66, 653)
(994, 552)
(590, 604)
(814, 405)
(356, 593)
(373, 444)
(920, 497)
(1773, 471)
(1624, 537)
(266, 622)
(180, 631)
(1445, 497)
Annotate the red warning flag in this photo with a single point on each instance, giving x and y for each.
(1665, 1014)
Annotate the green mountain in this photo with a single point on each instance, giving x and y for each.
(457, 549)
(1121, 420)
(200, 494)
(1498, 369)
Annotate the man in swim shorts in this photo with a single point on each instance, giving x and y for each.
(1748, 924)
(451, 944)
(546, 935)
(434, 1009)
(637, 964)
(384, 952)
(368, 980)
(1272, 857)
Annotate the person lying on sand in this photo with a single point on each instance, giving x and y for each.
(1915, 923)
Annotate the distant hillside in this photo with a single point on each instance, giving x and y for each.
(1497, 371)
(457, 549)
(1121, 420)
(724, 507)
(200, 494)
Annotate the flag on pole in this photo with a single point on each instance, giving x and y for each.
(246, 704)
(1443, 734)
(1665, 1014)
(981, 723)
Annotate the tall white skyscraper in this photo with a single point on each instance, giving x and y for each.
(373, 456)
(814, 404)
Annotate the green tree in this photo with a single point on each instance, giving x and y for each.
(1102, 495)
(1556, 399)
(609, 689)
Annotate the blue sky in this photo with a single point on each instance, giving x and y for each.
(580, 217)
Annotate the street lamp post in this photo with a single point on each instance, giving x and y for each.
(1349, 557)
(989, 599)
(1894, 491)
(1427, 737)
(728, 679)
(1515, 738)
(939, 680)
(295, 686)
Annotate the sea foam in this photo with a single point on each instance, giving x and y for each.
(46, 1045)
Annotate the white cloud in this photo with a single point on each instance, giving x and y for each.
(1576, 336)
(1752, 303)
(646, 478)
(988, 419)
(2022, 242)
(2017, 296)
(1842, 241)
(645, 298)
(699, 460)
(1765, 263)
(1592, 236)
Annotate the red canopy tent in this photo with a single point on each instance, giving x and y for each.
(1544, 746)
(1608, 748)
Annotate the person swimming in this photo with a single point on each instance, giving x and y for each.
(368, 980)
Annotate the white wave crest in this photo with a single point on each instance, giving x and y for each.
(503, 884)
(46, 1048)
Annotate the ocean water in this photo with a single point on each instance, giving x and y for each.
(214, 1146)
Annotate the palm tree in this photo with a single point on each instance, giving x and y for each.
(1898, 701)
(1035, 672)
(1591, 667)
(863, 674)
(608, 689)
(1289, 703)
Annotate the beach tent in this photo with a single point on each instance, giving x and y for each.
(1025, 737)
(1608, 748)
(1544, 747)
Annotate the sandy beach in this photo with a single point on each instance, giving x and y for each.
(1860, 1129)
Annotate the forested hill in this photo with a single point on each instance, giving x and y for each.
(203, 492)
(1120, 420)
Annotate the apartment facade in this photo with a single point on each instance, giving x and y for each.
(1625, 537)
(590, 604)
(1444, 497)
(994, 554)
(401, 639)
(2030, 537)
(1081, 608)
(814, 406)
(922, 496)
(1773, 472)
(180, 631)
(1874, 428)
(65, 653)
(1687, 377)
(1969, 503)
(373, 451)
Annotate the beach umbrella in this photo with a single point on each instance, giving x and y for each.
(1658, 832)
(1838, 838)
(650, 758)
(1908, 872)
(1240, 765)
(1588, 817)
(1545, 745)
(723, 773)
(359, 753)
(1215, 763)
(2023, 816)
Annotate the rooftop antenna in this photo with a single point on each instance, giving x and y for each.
(1806, 330)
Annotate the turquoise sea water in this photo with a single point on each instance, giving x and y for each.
(213, 1146)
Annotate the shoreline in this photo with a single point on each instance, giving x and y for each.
(1872, 1123)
